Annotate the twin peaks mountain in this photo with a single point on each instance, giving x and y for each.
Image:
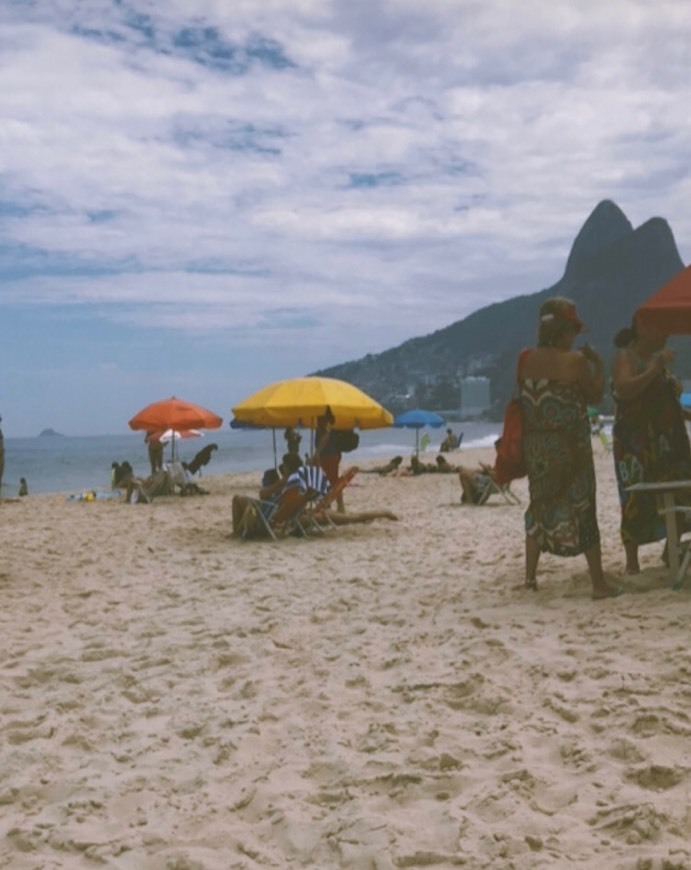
(611, 270)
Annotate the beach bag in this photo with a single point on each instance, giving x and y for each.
(343, 440)
(509, 464)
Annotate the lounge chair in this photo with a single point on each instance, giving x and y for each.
(481, 484)
(493, 488)
(321, 507)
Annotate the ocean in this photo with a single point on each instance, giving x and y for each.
(75, 463)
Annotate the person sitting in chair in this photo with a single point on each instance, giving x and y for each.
(449, 443)
(273, 485)
(474, 482)
(295, 479)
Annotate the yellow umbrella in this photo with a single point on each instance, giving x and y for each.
(299, 401)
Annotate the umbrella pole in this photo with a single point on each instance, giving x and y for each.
(273, 433)
(417, 443)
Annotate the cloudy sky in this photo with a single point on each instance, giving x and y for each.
(198, 197)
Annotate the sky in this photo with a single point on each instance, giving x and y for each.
(200, 197)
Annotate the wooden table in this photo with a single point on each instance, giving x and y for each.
(669, 490)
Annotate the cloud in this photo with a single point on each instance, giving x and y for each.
(344, 175)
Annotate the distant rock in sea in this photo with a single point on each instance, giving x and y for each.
(50, 433)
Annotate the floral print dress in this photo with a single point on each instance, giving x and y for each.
(557, 449)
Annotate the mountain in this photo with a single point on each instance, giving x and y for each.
(50, 433)
(611, 269)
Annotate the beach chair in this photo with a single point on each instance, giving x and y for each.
(258, 516)
(322, 506)
(145, 491)
(478, 486)
(274, 519)
(493, 488)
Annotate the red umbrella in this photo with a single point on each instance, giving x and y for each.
(668, 311)
(174, 413)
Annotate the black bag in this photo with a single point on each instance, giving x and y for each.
(343, 440)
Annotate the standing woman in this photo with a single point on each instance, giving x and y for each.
(155, 449)
(326, 455)
(556, 385)
(650, 442)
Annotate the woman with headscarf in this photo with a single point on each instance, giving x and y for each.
(650, 442)
(556, 385)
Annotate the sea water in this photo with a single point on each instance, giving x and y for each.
(74, 463)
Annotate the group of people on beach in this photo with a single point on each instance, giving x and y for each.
(650, 443)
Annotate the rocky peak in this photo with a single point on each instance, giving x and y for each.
(606, 226)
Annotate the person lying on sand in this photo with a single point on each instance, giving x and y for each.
(444, 466)
(391, 466)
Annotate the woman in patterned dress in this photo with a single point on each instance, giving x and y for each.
(650, 442)
(556, 385)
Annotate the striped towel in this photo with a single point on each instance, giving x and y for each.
(309, 477)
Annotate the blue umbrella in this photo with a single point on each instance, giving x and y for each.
(685, 400)
(417, 419)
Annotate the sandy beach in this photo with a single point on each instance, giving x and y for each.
(382, 696)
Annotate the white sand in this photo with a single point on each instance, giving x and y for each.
(383, 696)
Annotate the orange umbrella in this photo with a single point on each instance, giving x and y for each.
(174, 413)
(668, 311)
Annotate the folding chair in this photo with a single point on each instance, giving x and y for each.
(277, 518)
(492, 488)
(322, 506)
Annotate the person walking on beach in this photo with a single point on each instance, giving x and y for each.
(556, 385)
(649, 438)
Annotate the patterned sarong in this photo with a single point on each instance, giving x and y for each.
(649, 444)
(558, 455)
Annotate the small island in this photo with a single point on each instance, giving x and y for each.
(50, 433)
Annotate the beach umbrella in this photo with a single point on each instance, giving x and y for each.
(176, 435)
(668, 310)
(173, 436)
(175, 414)
(298, 402)
(685, 400)
(417, 419)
